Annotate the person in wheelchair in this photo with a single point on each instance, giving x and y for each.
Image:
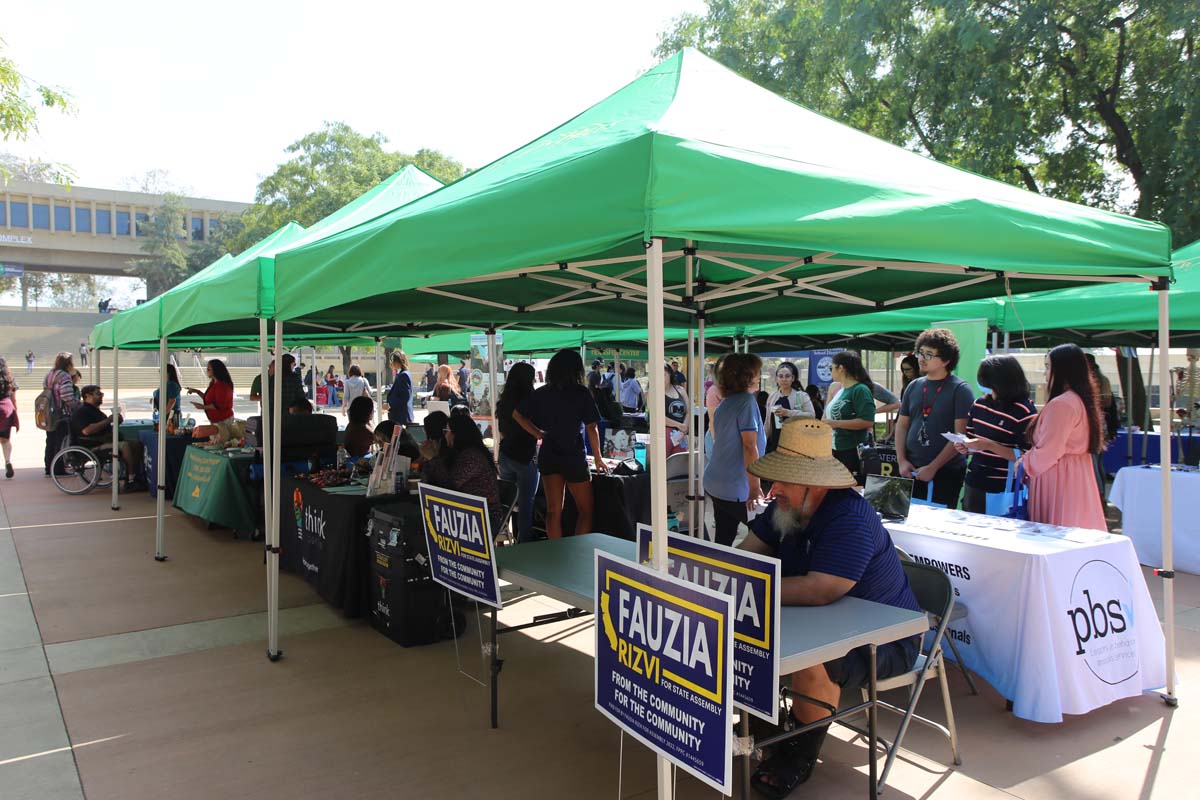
(92, 428)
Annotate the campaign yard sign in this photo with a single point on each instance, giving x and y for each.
(752, 580)
(458, 532)
(664, 665)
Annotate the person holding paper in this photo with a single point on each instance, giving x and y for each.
(830, 543)
(936, 403)
(997, 429)
(788, 401)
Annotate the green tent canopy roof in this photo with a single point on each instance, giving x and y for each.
(227, 297)
(792, 215)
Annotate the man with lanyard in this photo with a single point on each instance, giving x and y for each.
(938, 402)
(831, 544)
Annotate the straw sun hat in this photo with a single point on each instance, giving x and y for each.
(805, 457)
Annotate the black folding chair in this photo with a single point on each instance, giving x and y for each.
(959, 613)
(508, 501)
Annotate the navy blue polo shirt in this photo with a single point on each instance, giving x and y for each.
(845, 538)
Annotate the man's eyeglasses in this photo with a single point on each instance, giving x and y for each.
(925, 355)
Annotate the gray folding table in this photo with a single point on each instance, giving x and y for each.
(563, 569)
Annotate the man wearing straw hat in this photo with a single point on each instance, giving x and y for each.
(830, 543)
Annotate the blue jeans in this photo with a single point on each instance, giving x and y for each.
(525, 476)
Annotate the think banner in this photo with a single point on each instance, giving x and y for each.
(458, 532)
(752, 580)
(664, 665)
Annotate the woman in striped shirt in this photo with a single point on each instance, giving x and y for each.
(997, 426)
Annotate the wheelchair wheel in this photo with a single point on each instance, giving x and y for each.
(75, 470)
(105, 478)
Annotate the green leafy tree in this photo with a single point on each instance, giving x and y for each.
(1095, 102)
(21, 99)
(327, 169)
(165, 261)
(224, 232)
(76, 291)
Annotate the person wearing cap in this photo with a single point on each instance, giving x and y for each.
(831, 544)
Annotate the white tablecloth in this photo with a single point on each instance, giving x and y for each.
(1137, 491)
(1060, 620)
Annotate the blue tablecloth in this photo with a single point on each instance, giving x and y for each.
(1116, 457)
(176, 447)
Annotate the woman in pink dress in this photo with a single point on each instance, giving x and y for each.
(1067, 432)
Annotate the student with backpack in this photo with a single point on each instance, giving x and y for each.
(55, 404)
(8, 414)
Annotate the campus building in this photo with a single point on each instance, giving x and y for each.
(45, 227)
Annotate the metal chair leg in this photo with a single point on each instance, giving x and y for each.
(945, 684)
(959, 661)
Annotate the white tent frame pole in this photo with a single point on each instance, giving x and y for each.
(689, 264)
(1129, 359)
(1168, 557)
(491, 348)
(265, 441)
(701, 373)
(657, 450)
(379, 382)
(273, 651)
(1146, 420)
(160, 463)
(116, 434)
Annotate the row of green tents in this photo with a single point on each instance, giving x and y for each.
(690, 198)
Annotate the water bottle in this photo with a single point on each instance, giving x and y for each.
(342, 455)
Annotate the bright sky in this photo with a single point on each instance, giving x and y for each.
(213, 92)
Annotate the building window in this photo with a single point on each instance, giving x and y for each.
(83, 219)
(198, 229)
(62, 218)
(103, 221)
(122, 223)
(143, 223)
(41, 216)
(3, 213)
(19, 213)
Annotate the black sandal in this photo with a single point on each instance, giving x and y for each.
(786, 770)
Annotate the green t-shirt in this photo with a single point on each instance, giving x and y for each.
(853, 403)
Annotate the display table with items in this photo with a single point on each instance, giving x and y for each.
(1137, 491)
(215, 485)
(1059, 620)
(322, 536)
(131, 430)
(176, 448)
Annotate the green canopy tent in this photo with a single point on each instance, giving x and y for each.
(228, 303)
(692, 196)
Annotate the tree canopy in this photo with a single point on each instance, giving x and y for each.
(165, 261)
(1095, 102)
(21, 99)
(329, 168)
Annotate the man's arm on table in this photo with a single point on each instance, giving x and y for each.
(813, 589)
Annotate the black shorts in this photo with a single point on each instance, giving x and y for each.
(572, 470)
(893, 658)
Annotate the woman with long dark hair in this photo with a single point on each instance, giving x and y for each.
(359, 436)
(556, 413)
(1068, 431)
(997, 428)
(787, 401)
(852, 412)
(172, 411)
(465, 465)
(9, 421)
(517, 447)
(216, 402)
(675, 408)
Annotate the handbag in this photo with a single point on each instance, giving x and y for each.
(1020, 505)
(928, 501)
(1000, 503)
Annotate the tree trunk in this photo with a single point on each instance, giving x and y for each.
(347, 353)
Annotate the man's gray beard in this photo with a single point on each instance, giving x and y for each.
(786, 520)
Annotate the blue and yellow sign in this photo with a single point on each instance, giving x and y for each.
(458, 532)
(664, 665)
(752, 580)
